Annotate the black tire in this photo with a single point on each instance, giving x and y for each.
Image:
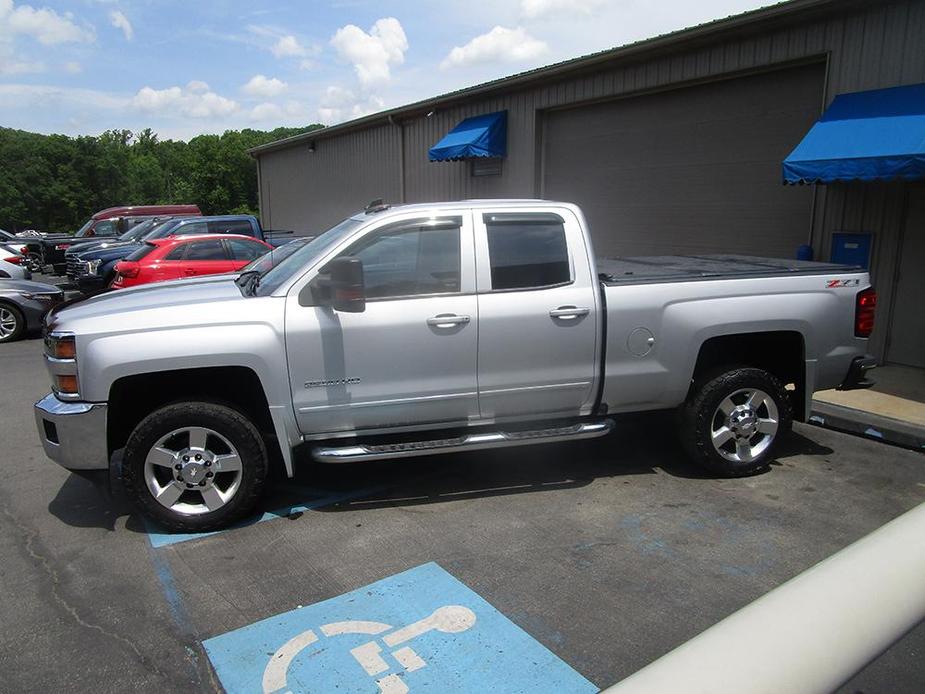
(699, 417)
(19, 323)
(224, 421)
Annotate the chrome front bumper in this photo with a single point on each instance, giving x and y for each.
(73, 434)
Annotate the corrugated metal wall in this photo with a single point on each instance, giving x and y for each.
(307, 191)
(867, 46)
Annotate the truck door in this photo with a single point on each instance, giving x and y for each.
(409, 359)
(539, 330)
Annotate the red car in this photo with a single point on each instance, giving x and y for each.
(176, 257)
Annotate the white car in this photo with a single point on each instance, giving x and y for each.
(13, 265)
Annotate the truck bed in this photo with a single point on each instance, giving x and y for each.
(689, 268)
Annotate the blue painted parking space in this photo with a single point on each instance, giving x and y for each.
(311, 499)
(421, 630)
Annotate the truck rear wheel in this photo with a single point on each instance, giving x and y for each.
(732, 423)
(194, 466)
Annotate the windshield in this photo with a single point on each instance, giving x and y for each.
(139, 230)
(161, 230)
(84, 228)
(270, 260)
(276, 275)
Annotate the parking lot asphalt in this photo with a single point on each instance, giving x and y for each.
(607, 553)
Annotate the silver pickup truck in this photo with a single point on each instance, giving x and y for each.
(436, 328)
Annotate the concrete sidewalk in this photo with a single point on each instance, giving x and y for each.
(893, 410)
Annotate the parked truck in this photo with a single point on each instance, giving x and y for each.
(437, 328)
(93, 269)
(106, 224)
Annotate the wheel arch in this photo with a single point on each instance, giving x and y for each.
(131, 398)
(779, 352)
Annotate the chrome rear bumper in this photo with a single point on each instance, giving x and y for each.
(73, 434)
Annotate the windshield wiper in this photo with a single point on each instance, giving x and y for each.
(248, 282)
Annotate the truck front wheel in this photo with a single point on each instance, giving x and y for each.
(194, 466)
(732, 423)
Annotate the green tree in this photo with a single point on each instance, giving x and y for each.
(55, 182)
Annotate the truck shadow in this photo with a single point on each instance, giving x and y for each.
(641, 444)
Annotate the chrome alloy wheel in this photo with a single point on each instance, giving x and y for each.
(8, 323)
(193, 470)
(744, 425)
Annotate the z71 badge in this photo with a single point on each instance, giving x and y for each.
(835, 284)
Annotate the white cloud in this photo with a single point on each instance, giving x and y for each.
(266, 112)
(44, 25)
(498, 45)
(193, 101)
(197, 86)
(20, 67)
(120, 21)
(372, 54)
(260, 86)
(533, 9)
(339, 104)
(289, 47)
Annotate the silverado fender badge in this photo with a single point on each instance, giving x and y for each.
(332, 382)
(835, 284)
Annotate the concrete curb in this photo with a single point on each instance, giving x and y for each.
(868, 425)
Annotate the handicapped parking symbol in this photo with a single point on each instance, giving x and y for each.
(450, 619)
(427, 632)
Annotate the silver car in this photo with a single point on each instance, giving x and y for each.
(23, 306)
(13, 265)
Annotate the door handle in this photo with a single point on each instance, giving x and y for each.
(569, 312)
(189, 272)
(447, 320)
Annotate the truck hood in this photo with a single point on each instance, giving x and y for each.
(113, 252)
(84, 246)
(160, 304)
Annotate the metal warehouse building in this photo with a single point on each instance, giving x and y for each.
(673, 145)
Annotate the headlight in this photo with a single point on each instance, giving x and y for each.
(61, 359)
(93, 266)
(38, 297)
(61, 346)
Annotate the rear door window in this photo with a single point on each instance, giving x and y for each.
(191, 228)
(177, 253)
(231, 226)
(211, 249)
(527, 251)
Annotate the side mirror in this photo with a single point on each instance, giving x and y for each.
(340, 285)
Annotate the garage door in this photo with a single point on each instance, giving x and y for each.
(690, 170)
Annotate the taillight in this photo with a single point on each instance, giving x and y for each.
(865, 308)
(127, 269)
(15, 259)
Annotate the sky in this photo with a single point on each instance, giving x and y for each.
(187, 68)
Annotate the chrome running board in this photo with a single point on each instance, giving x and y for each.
(460, 444)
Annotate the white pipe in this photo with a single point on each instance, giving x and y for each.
(811, 634)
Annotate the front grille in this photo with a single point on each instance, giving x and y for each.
(74, 267)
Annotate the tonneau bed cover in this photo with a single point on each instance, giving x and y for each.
(688, 268)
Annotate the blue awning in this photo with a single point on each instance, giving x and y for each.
(865, 136)
(479, 136)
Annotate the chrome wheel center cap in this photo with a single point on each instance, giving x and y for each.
(743, 421)
(194, 468)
